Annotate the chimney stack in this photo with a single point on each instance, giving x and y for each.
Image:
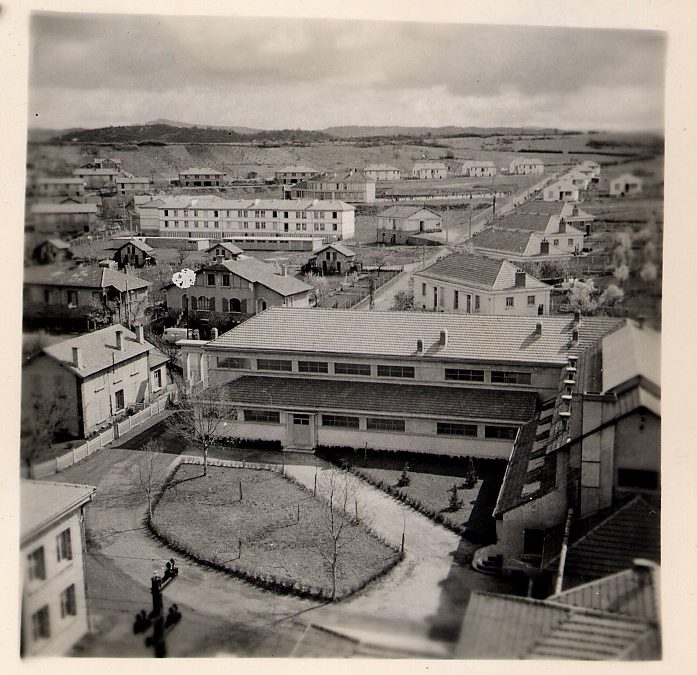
(520, 279)
(574, 335)
(214, 333)
(119, 340)
(538, 328)
(77, 357)
(544, 247)
(443, 342)
(562, 227)
(419, 346)
(140, 334)
(577, 317)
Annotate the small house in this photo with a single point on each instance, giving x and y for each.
(201, 177)
(72, 218)
(561, 191)
(334, 258)
(224, 250)
(625, 185)
(52, 251)
(478, 168)
(429, 170)
(397, 224)
(135, 253)
(525, 166)
(382, 172)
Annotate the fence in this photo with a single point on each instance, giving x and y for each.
(51, 466)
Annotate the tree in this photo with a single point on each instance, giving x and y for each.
(318, 283)
(404, 479)
(200, 416)
(649, 272)
(611, 296)
(455, 502)
(470, 479)
(43, 416)
(621, 272)
(403, 301)
(146, 478)
(581, 297)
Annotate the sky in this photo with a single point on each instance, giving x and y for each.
(92, 70)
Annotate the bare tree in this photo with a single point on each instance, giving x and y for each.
(43, 415)
(147, 471)
(200, 417)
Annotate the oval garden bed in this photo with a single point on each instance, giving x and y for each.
(261, 526)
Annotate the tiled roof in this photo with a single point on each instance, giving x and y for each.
(57, 243)
(630, 353)
(228, 246)
(478, 270)
(532, 222)
(429, 165)
(200, 170)
(42, 502)
(477, 162)
(496, 339)
(258, 272)
(133, 179)
(98, 350)
(44, 180)
(380, 167)
(157, 358)
(410, 399)
(82, 171)
(87, 276)
(138, 244)
(541, 207)
(526, 160)
(297, 169)
(337, 246)
(215, 202)
(514, 241)
(64, 208)
(404, 211)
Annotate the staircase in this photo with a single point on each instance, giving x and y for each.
(489, 564)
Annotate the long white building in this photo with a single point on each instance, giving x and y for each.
(211, 217)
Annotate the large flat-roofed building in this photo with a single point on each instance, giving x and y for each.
(524, 166)
(47, 187)
(210, 217)
(444, 384)
(352, 186)
(290, 175)
(52, 536)
(201, 177)
(64, 219)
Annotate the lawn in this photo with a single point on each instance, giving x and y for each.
(260, 537)
(432, 490)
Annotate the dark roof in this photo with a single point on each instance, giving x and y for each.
(86, 276)
(57, 243)
(405, 211)
(541, 207)
(227, 245)
(138, 244)
(531, 222)
(411, 399)
(337, 246)
(497, 339)
(512, 241)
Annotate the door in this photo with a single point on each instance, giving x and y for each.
(338, 267)
(301, 430)
(540, 310)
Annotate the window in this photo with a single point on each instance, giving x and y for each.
(158, 378)
(263, 416)
(119, 400)
(533, 541)
(509, 301)
(352, 369)
(456, 299)
(476, 302)
(210, 279)
(225, 305)
(41, 627)
(570, 242)
(464, 375)
(225, 280)
(233, 362)
(235, 305)
(274, 364)
(504, 433)
(454, 429)
(313, 367)
(68, 604)
(637, 479)
(64, 546)
(340, 421)
(556, 242)
(194, 303)
(531, 299)
(211, 304)
(203, 303)
(72, 298)
(395, 371)
(510, 377)
(36, 565)
(384, 424)
(423, 289)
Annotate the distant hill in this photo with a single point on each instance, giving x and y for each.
(187, 125)
(40, 135)
(419, 132)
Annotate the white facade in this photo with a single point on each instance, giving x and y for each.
(626, 184)
(561, 192)
(429, 170)
(527, 166)
(476, 168)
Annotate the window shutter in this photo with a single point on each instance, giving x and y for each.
(211, 304)
(225, 304)
(194, 303)
(243, 306)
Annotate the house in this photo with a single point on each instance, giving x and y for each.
(477, 168)
(475, 284)
(212, 217)
(290, 175)
(428, 170)
(517, 246)
(591, 169)
(98, 178)
(525, 166)
(45, 187)
(126, 185)
(396, 224)
(241, 286)
(103, 163)
(555, 228)
(52, 535)
(569, 212)
(135, 253)
(382, 172)
(625, 185)
(61, 290)
(561, 191)
(98, 376)
(334, 258)
(590, 447)
(62, 219)
(443, 384)
(51, 251)
(201, 177)
(225, 250)
(353, 187)
(577, 178)
(615, 618)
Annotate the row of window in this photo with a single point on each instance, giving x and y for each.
(364, 369)
(389, 424)
(440, 297)
(41, 619)
(318, 227)
(217, 213)
(36, 560)
(204, 304)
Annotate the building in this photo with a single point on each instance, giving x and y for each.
(103, 163)
(225, 250)
(334, 258)
(561, 191)
(98, 376)
(578, 178)
(475, 284)
(625, 185)
(243, 286)
(438, 383)
(211, 217)
(52, 549)
(201, 177)
(518, 246)
(556, 228)
(591, 169)
(478, 168)
(396, 224)
(45, 187)
(382, 172)
(429, 170)
(569, 212)
(51, 251)
(135, 253)
(62, 290)
(99, 178)
(353, 187)
(525, 166)
(127, 185)
(290, 175)
(64, 219)
(276, 243)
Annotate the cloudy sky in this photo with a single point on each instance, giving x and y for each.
(91, 71)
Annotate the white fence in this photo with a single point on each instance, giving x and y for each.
(51, 466)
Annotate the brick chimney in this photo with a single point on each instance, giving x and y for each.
(77, 357)
(562, 227)
(119, 340)
(419, 346)
(520, 279)
(140, 334)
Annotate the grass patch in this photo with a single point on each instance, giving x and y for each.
(260, 537)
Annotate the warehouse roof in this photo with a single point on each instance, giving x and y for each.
(64, 208)
(87, 276)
